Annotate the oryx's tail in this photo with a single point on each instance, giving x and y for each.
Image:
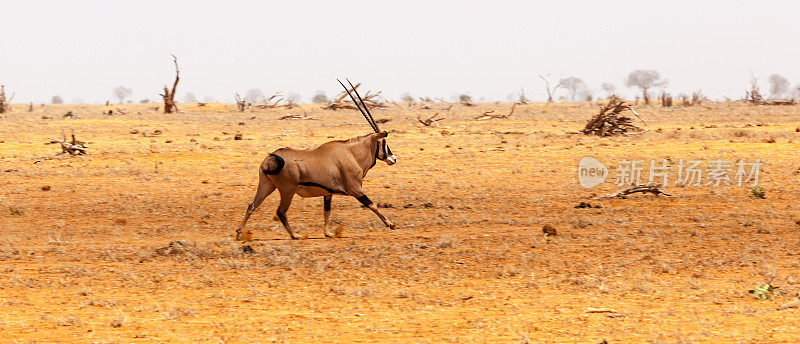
(272, 164)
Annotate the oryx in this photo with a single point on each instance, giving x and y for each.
(335, 167)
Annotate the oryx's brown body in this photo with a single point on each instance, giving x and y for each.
(336, 167)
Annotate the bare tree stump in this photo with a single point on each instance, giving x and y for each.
(73, 147)
(169, 95)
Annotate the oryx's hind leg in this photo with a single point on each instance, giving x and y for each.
(286, 201)
(366, 202)
(326, 200)
(265, 188)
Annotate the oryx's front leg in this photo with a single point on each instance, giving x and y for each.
(366, 202)
(327, 207)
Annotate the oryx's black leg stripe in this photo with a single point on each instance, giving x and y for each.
(327, 204)
(321, 187)
(364, 200)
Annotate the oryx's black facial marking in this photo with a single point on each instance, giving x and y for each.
(364, 200)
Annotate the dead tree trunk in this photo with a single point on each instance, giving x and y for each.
(547, 88)
(5, 102)
(169, 95)
(754, 95)
(241, 104)
(666, 99)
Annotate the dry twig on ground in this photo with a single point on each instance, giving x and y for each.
(644, 188)
(490, 114)
(430, 121)
(291, 116)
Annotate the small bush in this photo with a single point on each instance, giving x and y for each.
(758, 192)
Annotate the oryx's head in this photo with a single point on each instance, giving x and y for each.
(383, 152)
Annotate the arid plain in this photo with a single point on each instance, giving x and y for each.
(85, 251)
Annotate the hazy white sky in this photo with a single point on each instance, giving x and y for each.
(83, 49)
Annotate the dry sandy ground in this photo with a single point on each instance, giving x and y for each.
(82, 262)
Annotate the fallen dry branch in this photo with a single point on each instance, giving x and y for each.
(430, 121)
(73, 147)
(644, 188)
(490, 114)
(610, 120)
(291, 116)
(371, 100)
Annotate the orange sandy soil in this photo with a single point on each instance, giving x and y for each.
(80, 262)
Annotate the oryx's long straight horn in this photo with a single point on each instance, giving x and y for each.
(374, 125)
(371, 123)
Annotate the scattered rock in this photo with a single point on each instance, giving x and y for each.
(177, 247)
(247, 249)
(549, 230)
(46, 188)
(763, 231)
(238, 136)
(384, 205)
(121, 222)
(134, 131)
(427, 205)
(791, 304)
(587, 205)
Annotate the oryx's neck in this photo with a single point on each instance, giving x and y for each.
(364, 151)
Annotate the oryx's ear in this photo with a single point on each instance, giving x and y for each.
(382, 134)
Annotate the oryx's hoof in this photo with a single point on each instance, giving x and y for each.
(298, 237)
(391, 226)
(245, 236)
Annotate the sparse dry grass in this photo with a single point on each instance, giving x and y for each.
(149, 254)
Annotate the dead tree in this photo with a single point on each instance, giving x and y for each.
(666, 99)
(240, 103)
(169, 96)
(610, 120)
(73, 147)
(548, 89)
(522, 99)
(5, 102)
(685, 99)
(652, 188)
(753, 95)
(30, 107)
(431, 121)
(371, 100)
(490, 114)
(698, 97)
